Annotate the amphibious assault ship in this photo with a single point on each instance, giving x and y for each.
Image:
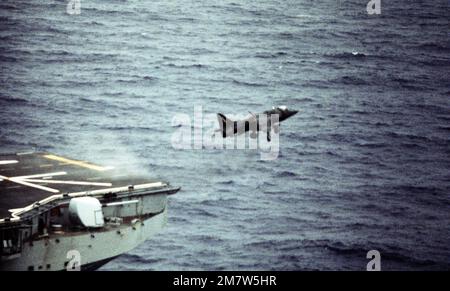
(64, 214)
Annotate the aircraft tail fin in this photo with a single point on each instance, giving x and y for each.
(223, 121)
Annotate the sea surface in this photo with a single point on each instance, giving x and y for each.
(364, 165)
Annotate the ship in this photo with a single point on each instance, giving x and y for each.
(64, 214)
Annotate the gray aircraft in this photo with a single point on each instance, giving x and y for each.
(255, 123)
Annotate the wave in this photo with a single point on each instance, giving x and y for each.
(286, 35)
(347, 55)
(196, 66)
(16, 100)
(408, 145)
(248, 84)
(227, 182)
(109, 11)
(301, 99)
(265, 184)
(149, 78)
(133, 259)
(286, 174)
(371, 145)
(440, 47)
(270, 55)
(5, 59)
(204, 238)
(9, 7)
(350, 80)
(126, 128)
(444, 128)
(436, 62)
(409, 136)
(421, 190)
(203, 212)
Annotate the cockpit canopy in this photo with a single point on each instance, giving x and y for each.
(282, 108)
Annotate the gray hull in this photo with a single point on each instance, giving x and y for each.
(94, 248)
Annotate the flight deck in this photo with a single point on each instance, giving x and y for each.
(30, 177)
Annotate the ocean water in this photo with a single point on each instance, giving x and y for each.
(363, 166)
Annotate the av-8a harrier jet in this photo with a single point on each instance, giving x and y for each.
(254, 123)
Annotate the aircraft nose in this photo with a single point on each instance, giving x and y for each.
(292, 112)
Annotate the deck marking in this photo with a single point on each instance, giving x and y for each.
(77, 163)
(30, 181)
(8, 162)
(25, 183)
(69, 182)
(45, 165)
(42, 175)
(25, 153)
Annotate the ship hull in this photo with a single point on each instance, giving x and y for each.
(85, 250)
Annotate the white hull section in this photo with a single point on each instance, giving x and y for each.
(59, 251)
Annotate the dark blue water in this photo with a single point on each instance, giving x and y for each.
(364, 165)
